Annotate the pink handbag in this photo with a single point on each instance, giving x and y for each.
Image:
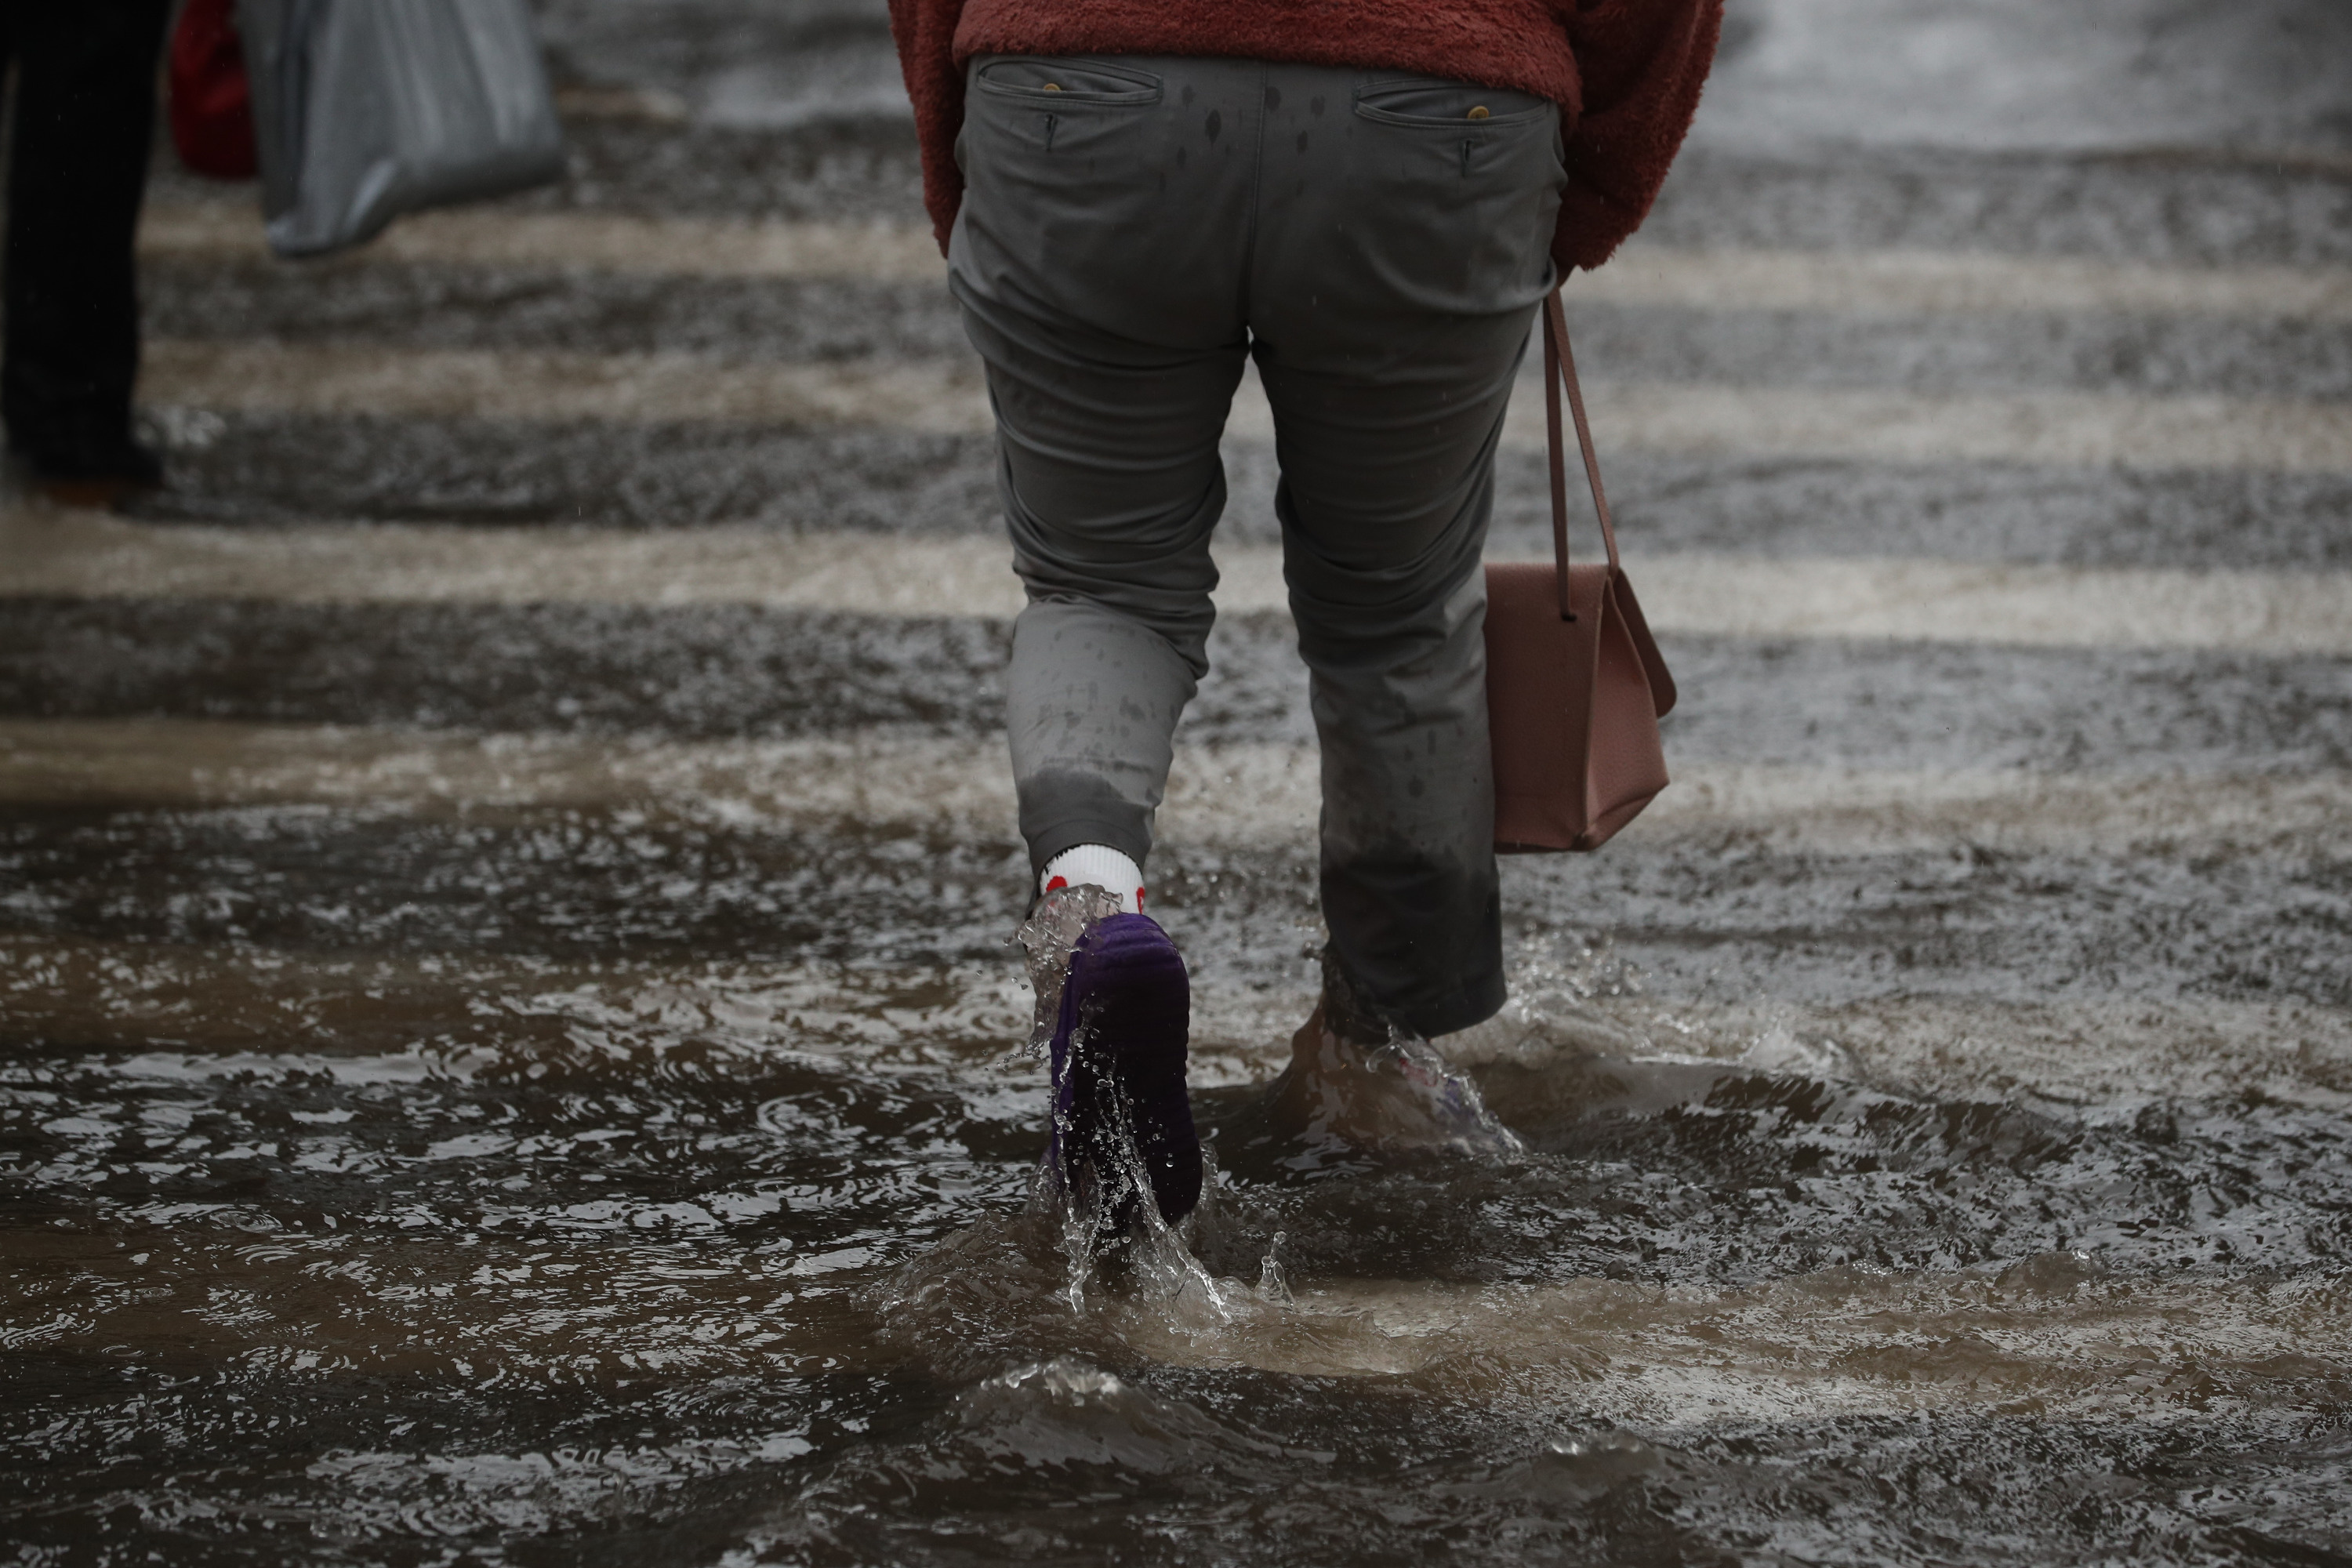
(1574, 684)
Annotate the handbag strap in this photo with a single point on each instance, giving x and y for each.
(1560, 367)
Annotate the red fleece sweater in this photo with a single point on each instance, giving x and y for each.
(1625, 73)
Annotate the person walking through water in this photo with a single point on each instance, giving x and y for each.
(83, 129)
(1369, 199)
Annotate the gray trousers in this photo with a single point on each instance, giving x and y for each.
(1133, 226)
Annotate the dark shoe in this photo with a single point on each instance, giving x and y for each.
(91, 471)
(1118, 1051)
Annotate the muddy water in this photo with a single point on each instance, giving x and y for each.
(536, 1083)
(345, 1252)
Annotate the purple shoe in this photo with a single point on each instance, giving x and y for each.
(1119, 1072)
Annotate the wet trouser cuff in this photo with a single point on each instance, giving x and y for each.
(1063, 809)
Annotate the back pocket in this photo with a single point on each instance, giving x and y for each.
(1046, 80)
(1433, 102)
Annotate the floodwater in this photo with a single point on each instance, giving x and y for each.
(511, 1046)
(433, 1256)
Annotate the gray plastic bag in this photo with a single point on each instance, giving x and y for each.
(364, 109)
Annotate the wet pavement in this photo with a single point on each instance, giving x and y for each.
(508, 1041)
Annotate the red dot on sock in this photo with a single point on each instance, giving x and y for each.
(1057, 884)
(1138, 900)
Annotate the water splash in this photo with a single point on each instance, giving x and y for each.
(1046, 939)
(1110, 1227)
(1340, 1097)
(1273, 1285)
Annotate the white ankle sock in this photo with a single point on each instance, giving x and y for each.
(1103, 866)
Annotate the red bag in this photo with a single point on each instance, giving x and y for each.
(212, 101)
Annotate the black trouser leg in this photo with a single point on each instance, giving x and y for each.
(85, 123)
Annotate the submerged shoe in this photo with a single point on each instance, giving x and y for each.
(1360, 1080)
(1118, 1073)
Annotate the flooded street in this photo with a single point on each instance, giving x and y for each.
(510, 1041)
